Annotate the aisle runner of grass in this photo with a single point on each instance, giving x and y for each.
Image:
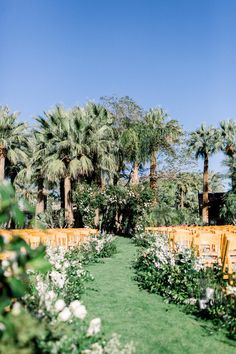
(155, 327)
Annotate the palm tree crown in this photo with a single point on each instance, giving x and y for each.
(12, 140)
(161, 134)
(204, 141)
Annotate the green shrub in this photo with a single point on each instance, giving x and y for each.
(181, 278)
(228, 211)
(15, 282)
(122, 210)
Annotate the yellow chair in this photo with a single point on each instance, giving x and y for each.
(208, 247)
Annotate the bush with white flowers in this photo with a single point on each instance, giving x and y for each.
(99, 246)
(180, 276)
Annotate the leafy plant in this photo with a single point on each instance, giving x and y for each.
(228, 211)
(180, 277)
(16, 258)
(121, 209)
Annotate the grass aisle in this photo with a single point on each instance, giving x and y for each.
(144, 318)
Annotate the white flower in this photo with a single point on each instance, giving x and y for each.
(64, 315)
(50, 295)
(5, 263)
(66, 264)
(2, 327)
(95, 349)
(58, 279)
(210, 293)
(78, 310)
(16, 309)
(59, 305)
(203, 304)
(94, 327)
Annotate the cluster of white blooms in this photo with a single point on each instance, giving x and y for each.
(10, 266)
(50, 304)
(60, 264)
(162, 252)
(56, 257)
(102, 241)
(187, 256)
(98, 242)
(74, 310)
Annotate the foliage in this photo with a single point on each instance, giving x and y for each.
(99, 246)
(14, 281)
(51, 218)
(13, 142)
(87, 200)
(10, 208)
(180, 277)
(121, 209)
(164, 215)
(228, 211)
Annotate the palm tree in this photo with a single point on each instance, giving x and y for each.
(99, 135)
(230, 162)
(204, 141)
(160, 135)
(12, 141)
(131, 142)
(67, 152)
(228, 146)
(34, 172)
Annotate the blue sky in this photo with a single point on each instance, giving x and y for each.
(178, 54)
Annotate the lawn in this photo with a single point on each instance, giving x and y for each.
(145, 319)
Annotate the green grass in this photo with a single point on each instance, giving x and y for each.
(154, 326)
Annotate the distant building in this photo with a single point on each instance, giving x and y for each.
(216, 201)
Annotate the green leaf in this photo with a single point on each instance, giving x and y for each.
(39, 264)
(17, 287)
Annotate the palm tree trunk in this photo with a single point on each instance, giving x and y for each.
(69, 217)
(181, 199)
(2, 163)
(40, 206)
(96, 217)
(135, 176)
(153, 170)
(62, 194)
(205, 201)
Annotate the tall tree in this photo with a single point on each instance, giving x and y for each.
(205, 141)
(67, 154)
(99, 134)
(12, 141)
(228, 146)
(131, 141)
(161, 135)
(123, 109)
(127, 114)
(34, 170)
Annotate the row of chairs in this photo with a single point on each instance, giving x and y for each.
(212, 244)
(52, 237)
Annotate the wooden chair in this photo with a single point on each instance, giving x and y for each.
(61, 240)
(34, 241)
(180, 238)
(229, 254)
(208, 247)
